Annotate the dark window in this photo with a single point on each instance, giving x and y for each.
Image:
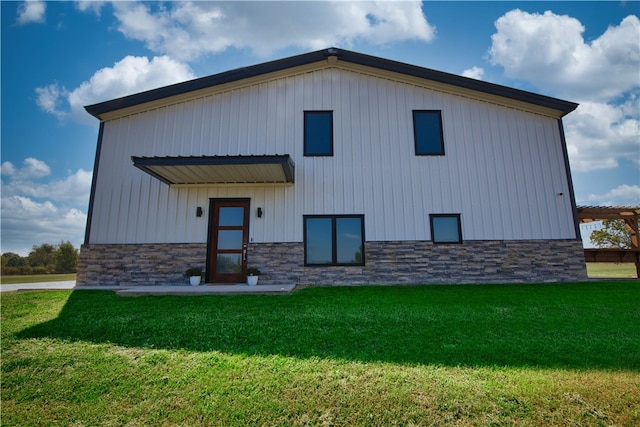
(445, 228)
(334, 240)
(318, 133)
(427, 132)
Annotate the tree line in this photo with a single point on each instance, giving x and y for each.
(43, 259)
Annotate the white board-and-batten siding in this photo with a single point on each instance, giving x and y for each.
(503, 168)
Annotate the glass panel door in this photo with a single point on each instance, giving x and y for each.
(228, 241)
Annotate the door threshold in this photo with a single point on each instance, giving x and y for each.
(224, 284)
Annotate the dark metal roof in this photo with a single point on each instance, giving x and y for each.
(564, 107)
(276, 169)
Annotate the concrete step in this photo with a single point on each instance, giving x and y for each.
(239, 289)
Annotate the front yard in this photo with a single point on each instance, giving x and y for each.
(432, 355)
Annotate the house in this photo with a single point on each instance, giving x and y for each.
(332, 167)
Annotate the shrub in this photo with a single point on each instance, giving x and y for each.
(17, 271)
(40, 270)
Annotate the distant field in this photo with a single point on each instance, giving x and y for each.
(611, 269)
(36, 278)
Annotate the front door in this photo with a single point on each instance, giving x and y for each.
(229, 235)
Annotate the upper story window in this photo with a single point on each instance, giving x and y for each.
(427, 132)
(445, 228)
(334, 240)
(318, 133)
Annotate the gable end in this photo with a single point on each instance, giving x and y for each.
(333, 57)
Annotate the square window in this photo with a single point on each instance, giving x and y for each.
(318, 133)
(427, 132)
(334, 240)
(445, 228)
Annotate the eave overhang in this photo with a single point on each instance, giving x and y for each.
(218, 170)
(334, 57)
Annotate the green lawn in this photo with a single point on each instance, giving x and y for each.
(611, 269)
(373, 356)
(35, 278)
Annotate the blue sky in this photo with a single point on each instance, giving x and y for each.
(57, 57)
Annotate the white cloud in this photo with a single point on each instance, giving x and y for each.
(26, 222)
(599, 135)
(35, 210)
(474, 73)
(33, 168)
(623, 195)
(187, 30)
(31, 11)
(549, 51)
(132, 74)
(73, 189)
(7, 168)
(50, 99)
(90, 5)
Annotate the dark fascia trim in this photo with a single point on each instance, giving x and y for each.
(94, 179)
(464, 82)
(565, 107)
(205, 82)
(144, 163)
(567, 168)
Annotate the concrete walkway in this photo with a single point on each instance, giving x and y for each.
(240, 288)
(38, 286)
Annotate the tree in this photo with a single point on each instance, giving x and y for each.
(9, 259)
(614, 234)
(42, 256)
(66, 258)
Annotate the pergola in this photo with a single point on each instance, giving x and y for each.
(630, 216)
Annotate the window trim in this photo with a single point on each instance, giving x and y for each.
(318, 112)
(334, 244)
(446, 215)
(415, 113)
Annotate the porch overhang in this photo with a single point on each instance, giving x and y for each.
(214, 170)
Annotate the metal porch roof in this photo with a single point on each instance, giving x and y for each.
(194, 170)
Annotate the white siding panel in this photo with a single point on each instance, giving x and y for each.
(502, 169)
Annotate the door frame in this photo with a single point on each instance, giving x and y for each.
(210, 267)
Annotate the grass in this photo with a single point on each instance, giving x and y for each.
(36, 278)
(437, 355)
(611, 269)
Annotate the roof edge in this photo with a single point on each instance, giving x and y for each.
(204, 82)
(456, 80)
(564, 107)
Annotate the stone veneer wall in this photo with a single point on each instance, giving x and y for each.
(405, 262)
(140, 264)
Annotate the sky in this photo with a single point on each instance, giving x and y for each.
(57, 57)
